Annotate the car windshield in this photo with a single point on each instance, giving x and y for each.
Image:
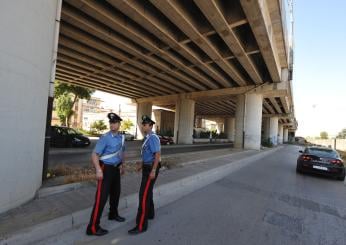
(322, 152)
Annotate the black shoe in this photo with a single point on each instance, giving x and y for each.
(151, 217)
(99, 232)
(116, 218)
(136, 231)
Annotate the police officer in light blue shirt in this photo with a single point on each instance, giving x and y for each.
(151, 154)
(108, 159)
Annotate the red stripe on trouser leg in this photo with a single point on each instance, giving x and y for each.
(144, 200)
(93, 226)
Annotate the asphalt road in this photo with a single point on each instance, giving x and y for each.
(263, 203)
(82, 156)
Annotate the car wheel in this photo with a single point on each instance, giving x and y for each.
(298, 170)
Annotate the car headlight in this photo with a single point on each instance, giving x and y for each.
(77, 140)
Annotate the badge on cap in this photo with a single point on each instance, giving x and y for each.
(113, 118)
(146, 119)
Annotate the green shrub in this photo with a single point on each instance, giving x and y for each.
(267, 142)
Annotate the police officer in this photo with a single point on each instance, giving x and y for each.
(151, 154)
(108, 159)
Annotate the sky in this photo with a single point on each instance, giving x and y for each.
(319, 79)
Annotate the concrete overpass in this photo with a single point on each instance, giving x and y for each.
(204, 59)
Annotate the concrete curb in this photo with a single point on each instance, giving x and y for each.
(48, 191)
(164, 195)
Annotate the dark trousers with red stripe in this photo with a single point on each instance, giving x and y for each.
(146, 204)
(108, 186)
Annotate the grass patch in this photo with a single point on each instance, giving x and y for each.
(71, 174)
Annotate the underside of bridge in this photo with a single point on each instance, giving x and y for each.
(147, 50)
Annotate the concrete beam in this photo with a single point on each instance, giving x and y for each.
(195, 95)
(258, 16)
(281, 116)
(180, 18)
(213, 13)
(150, 23)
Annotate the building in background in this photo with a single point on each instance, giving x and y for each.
(89, 111)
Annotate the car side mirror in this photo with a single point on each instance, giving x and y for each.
(300, 151)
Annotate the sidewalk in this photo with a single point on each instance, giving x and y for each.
(74, 203)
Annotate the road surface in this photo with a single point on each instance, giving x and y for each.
(82, 156)
(265, 202)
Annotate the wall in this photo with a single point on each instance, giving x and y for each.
(26, 49)
(340, 143)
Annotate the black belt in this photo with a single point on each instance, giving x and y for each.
(115, 166)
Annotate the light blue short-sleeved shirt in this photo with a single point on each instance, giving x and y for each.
(150, 146)
(109, 144)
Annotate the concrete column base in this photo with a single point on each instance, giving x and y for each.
(239, 122)
(274, 126)
(286, 135)
(230, 128)
(281, 134)
(253, 121)
(184, 121)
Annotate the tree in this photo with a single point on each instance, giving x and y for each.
(98, 126)
(324, 135)
(342, 134)
(126, 125)
(75, 93)
(63, 107)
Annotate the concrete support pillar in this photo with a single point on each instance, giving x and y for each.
(239, 121)
(142, 109)
(285, 134)
(26, 49)
(248, 121)
(266, 128)
(230, 128)
(273, 133)
(203, 123)
(219, 127)
(292, 136)
(199, 122)
(253, 121)
(184, 120)
(281, 134)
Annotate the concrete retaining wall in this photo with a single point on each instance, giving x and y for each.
(340, 143)
(26, 50)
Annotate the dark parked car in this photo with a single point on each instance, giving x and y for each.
(321, 160)
(165, 140)
(67, 137)
(128, 136)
